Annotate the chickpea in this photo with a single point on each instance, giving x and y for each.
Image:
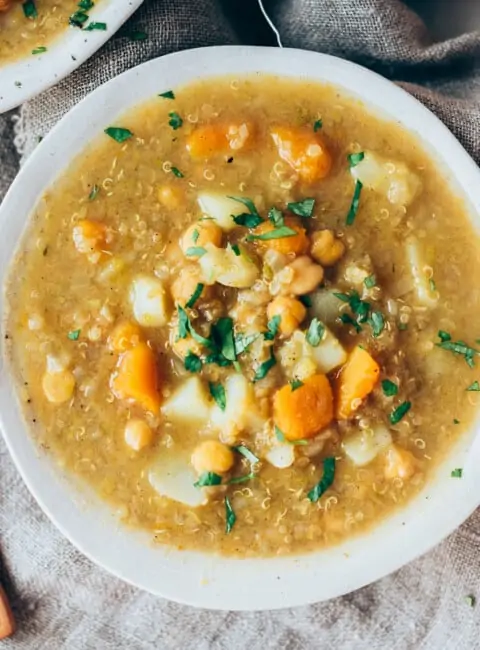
(58, 386)
(212, 456)
(199, 234)
(169, 197)
(291, 312)
(184, 285)
(138, 434)
(306, 276)
(326, 248)
(400, 463)
(182, 347)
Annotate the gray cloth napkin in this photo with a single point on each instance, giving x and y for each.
(60, 598)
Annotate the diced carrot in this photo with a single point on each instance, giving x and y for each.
(305, 411)
(356, 380)
(90, 238)
(296, 244)
(7, 622)
(136, 377)
(304, 150)
(124, 336)
(215, 139)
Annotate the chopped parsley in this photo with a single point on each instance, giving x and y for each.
(185, 328)
(240, 479)
(207, 479)
(247, 220)
(139, 35)
(29, 9)
(475, 387)
(433, 286)
(249, 455)
(118, 133)
(230, 516)
(169, 94)
(272, 327)
(457, 473)
(280, 436)
(444, 336)
(78, 19)
(175, 120)
(195, 295)
(455, 421)
(302, 208)
(243, 342)
(470, 600)
(362, 312)
(74, 335)
(39, 50)
(355, 158)
(348, 320)
(93, 193)
(315, 333)
(377, 323)
(317, 125)
(276, 217)
(192, 362)
(217, 391)
(295, 384)
(389, 388)
(457, 347)
(305, 300)
(195, 251)
(176, 172)
(86, 5)
(276, 233)
(352, 213)
(370, 282)
(265, 367)
(325, 482)
(195, 236)
(222, 335)
(96, 27)
(397, 414)
(236, 249)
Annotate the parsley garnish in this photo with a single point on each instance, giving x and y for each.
(192, 362)
(370, 282)
(389, 388)
(74, 335)
(39, 50)
(457, 473)
(281, 438)
(195, 251)
(276, 233)
(352, 213)
(99, 27)
(348, 320)
(175, 120)
(475, 387)
(230, 516)
(243, 341)
(78, 19)
(361, 310)
(169, 94)
(236, 249)
(315, 333)
(264, 368)
(470, 600)
(272, 326)
(86, 5)
(457, 347)
(240, 479)
(250, 219)
(176, 172)
(118, 133)
(217, 391)
(317, 125)
(305, 300)
(195, 236)
(355, 158)
(302, 208)
(295, 384)
(222, 335)
(455, 421)
(249, 455)
(276, 217)
(195, 296)
(400, 412)
(29, 9)
(185, 328)
(207, 479)
(325, 482)
(139, 35)
(444, 336)
(377, 323)
(93, 193)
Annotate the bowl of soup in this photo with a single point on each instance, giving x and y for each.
(42, 41)
(240, 357)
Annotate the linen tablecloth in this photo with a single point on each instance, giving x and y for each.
(61, 599)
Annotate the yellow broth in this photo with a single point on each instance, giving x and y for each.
(65, 304)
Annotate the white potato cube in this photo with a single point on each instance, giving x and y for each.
(220, 208)
(330, 353)
(325, 306)
(149, 301)
(222, 265)
(426, 295)
(300, 360)
(241, 412)
(174, 478)
(281, 456)
(363, 446)
(189, 403)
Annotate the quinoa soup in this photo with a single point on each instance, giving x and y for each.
(244, 317)
(28, 27)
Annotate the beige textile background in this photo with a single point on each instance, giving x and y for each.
(61, 599)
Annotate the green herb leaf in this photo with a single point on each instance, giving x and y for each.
(305, 300)
(400, 412)
(78, 19)
(96, 27)
(348, 320)
(217, 391)
(139, 35)
(265, 367)
(247, 220)
(377, 323)
(169, 94)
(183, 323)
(315, 333)
(455, 421)
(176, 172)
(457, 473)
(475, 387)
(276, 233)
(222, 335)
(29, 9)
(74, 335)
(389, 388)
(355, 158)
(175, 120)
(276, 217)
(195, 251)
(444, 336)
(39, 50)
(433, 286)
(195, 296)
(118, 133)
(302, 208)
(296, 383)
(402, 326)
(272, 326)
(370, 282)
(86, 5)
(207, 479)
(230, 516)
(217, 358)
(243, 342)
(192, 362)
(249, 455)
(470, 600)
(461, 348)
(317, 125)
(326, 480)
(279, 434)
(195, 236)
(241, 479)
(236, 249)
(248, 203)
(352, 213)
(93, 193)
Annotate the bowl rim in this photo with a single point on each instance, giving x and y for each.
(191, 577)
(22, 79)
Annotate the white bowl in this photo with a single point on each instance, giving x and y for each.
(195, 578)
(32, 74)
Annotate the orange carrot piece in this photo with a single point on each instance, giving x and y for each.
(215, 139)
(7, 622)
(124, 336)
(356, 380)
(296, 244)
(303, 412)
(304, 150)
(89, 236)
(136, 378)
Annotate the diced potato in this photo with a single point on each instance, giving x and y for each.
(330, 353)
(189, 403)
(426, 295)
(224, 266)
(399, 463)
(174, 478)
(241, 412)
(391, 178)
(325, 306)
(281, 456)
(58, 386)
(138, 434)
(299, 359)
(220, 208)
(149, 301)
(364, 445)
